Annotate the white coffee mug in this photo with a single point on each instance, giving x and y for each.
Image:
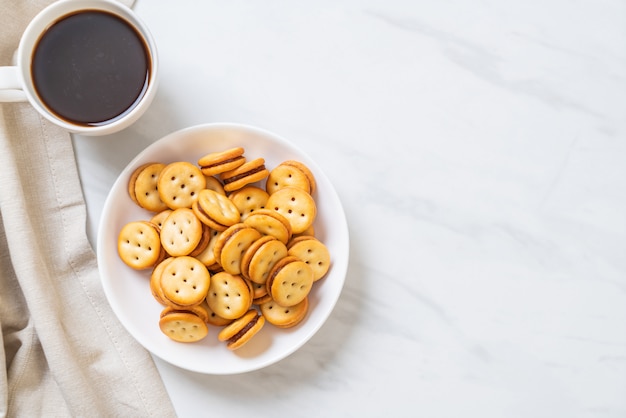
(29, 79)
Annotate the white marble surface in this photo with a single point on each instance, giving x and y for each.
(479, 149)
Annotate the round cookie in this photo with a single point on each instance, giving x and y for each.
(198, 310)
(296, 205)
(179, 184)
(264, 259)
(185, 281)
(146, 189)
(284, 175)
(139, 245)
(249, 199)
(183, 326)
(249, 172)
(304, 169)
(232, 244)
(215, 210)
(229, 296)
(181, 232)
(290, 281)
(313, 252)
(284, 316)
(247, 256)
(269, 222)
(240, 331)
(218, 162)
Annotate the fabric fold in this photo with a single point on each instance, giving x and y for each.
(65, 353)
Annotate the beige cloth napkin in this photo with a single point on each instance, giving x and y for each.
(65, 353)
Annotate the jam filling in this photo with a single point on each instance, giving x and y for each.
(245, 329)
(230, 160)
(246, 174)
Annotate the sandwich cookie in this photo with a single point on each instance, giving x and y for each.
(240, 331)
(232, 244)
(139, 245)
(249, 172)
(291, 173)
(313, 252)
(284, 316)
(215, 210)
(181, 232)
(185, 281)
(249, 199)
(142, 187)
(261, 257)
(229, 296)
(207, 256)
(132, 180)
(296, 205)
(182, 326)
(270, 222)
(219, 162)
(290, 281)
(155, 281)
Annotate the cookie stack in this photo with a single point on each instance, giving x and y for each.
(229, 243)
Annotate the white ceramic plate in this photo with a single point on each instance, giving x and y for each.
(128, 290)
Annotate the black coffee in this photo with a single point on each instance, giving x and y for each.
(91, 68)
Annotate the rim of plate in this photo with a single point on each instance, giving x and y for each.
(247, 364)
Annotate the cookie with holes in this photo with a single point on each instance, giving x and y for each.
(313, 252)
(183, 326)
(179, 184)
(260, 258)
(139, 245)
(296, 205)
(215, 210)
(249, 199)
(289, 281)
(284, 316)
(229, 296)
(290, 173)
(270, 222)
(185, 281)
(145, 187)
(232, 244)
(181, 232)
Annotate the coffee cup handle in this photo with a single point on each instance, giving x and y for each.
(10, 86)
